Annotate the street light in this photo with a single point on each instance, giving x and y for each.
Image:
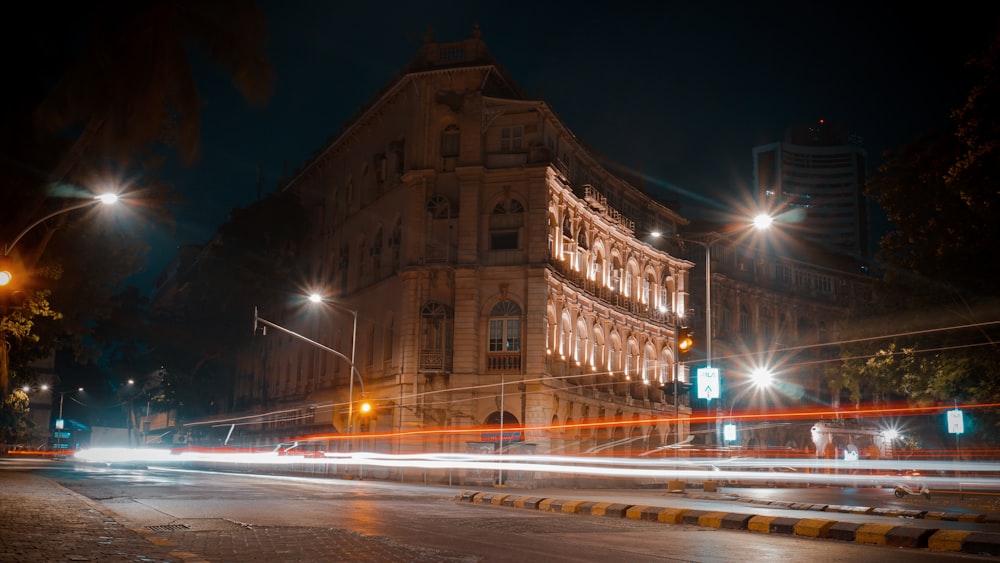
(107, 199)
(354, 370)
(760, 222)
(707, 245)
(317, 298)
(7, 272)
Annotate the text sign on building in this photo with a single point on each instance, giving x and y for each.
(508, 436)
(708, 383)
(956, 425)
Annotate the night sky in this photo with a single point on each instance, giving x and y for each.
(680, 90)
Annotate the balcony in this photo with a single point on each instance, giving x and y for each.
(608, 296)
(503, 362)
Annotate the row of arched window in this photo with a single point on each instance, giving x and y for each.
(602, 348)
(624, 271)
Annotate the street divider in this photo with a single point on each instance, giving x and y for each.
(879, 534)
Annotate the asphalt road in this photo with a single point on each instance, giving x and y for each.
(242, 517)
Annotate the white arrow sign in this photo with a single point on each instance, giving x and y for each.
(708, 383)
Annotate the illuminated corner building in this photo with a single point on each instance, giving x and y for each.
(820, 170)
(493, 260)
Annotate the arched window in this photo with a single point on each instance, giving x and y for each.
(450, 141)
(597, 351)
(615, 355)
(630, 276)
(648, 364)
(566, 332)
(568, 242)
(631, 359)
(666, 366)
(439, 207)
(580, 347)
(436, 326)
(504, 346)
(648, 285)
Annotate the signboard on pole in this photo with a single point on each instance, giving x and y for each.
(708, 383)
(956, 424)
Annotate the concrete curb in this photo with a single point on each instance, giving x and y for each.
(978, 543)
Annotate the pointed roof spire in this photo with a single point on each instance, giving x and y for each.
(476, 33)
(429, 36)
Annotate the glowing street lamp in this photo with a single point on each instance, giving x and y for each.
(762, 222)
(761, 377)
(317, 298)
(106, 199)
(257, 319)
(7, 271)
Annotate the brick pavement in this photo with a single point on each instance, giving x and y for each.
(43, 522)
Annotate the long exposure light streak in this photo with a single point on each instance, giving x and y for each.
(938, 475)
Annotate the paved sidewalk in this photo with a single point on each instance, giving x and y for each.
(43, 522)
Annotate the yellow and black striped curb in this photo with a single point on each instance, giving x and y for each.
(979, 543)
(976, 517)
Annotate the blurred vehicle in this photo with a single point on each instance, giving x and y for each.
(910, 486)
(903, 489)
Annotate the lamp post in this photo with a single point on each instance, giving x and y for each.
(317, 298)
(107, 199)
(707, 245)
(760, 222)
(7, 275)
(354, 370)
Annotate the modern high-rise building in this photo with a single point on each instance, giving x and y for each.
(815, 178)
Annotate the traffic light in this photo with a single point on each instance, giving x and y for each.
(684, 340)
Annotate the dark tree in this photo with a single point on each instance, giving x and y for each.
(937, 293)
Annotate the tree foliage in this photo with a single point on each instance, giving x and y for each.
(14, 425)
(100, 92)
(931, 335)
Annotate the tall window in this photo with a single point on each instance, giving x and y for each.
(504, 348)
(450, 138)
(435, 337)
